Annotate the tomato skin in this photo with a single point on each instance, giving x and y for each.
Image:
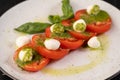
(100, 27)
(34, 66)
(15, 57)
(79, 13)
(71, 44)
(35, 39)
(53, 54)
(79, 35)
(48, 32)
(37, 65)
(68, 22)
(66, 43)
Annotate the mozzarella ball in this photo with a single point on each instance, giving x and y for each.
(52, 44)
(25, 55)
(93, 9)
(22, 40)
(94, 42)
(79, 25)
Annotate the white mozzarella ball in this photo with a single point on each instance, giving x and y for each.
(79, 25)
(52, 28)
(94, 42)
(22, 40)
(25, 55)
(52, 44)
(93, 9)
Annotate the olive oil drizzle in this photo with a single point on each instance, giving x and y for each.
(96, 60)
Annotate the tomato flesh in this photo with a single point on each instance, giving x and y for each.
(79, 13)
(38, 65)
(69, 44)
(34, 66)
(53, 54)
(83, 36)
(97, 27)
(48, 32)
(100, 27)
(67, 22)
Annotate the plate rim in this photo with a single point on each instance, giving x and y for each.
(14, 78)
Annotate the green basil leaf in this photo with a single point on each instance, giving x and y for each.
(67, 10)
(101, 16)
(54, 18)
(67, 13)
(31, 28)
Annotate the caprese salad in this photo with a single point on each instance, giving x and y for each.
(64, 34)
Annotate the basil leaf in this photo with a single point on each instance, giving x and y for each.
(67, 10)
(101, 16)
(54, 18)
(67, 13)
(32, 28)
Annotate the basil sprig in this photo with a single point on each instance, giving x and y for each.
(67, 13)
(37, 27)
(33, 27)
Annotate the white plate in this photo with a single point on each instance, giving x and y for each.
(82, 64)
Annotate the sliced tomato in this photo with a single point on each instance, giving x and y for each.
(100, 27)
(38, 65)
(80, 13)
(67, 22)
(48, 32)
(53, 54)
(80, 35)
(71, 44)
(15, 57)
(68, 43)
(33, 66)
(37, 40)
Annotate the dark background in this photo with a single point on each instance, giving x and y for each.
(7, 4)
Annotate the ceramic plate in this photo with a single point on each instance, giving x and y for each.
(81, 64)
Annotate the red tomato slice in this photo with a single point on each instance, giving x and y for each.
(53, 54)
(100, 27)
(34, 66)
(48, 32)
(79, 35)
(67, 22)
(36, 40)
(66, 43)
(15, 57)
(71, 44)
(79, 13)
(38, 65)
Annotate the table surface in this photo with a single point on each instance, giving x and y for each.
(7, 4)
